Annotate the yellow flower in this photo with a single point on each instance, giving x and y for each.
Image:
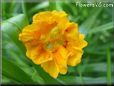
(53, 42)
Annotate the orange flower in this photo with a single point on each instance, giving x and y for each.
(53, 42)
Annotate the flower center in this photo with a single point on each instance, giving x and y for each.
(48, 46)
(53, 39)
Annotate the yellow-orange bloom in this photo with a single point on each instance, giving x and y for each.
(53, 42)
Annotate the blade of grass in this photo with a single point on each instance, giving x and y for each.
(5, 80)
(109, 71)
(87, 80)
(68, 7)
(38, 7)
(12, 71)
(12, 27)
(80, 70)
(101, 28)
(18, 21)
(86, 25)
(52, 5)
(24, 8)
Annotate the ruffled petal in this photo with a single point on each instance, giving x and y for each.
(49, 17)
(45, 16)
(60, 58)
(82, 43)
(27, 33)
(75, 59)
(51, 68)
(71, 32)
(38, 55)
(30, 35)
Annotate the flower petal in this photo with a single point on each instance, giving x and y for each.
(60, 58)
(38, 56)
(71, 32)
(82, 43)
(51, 68)
(28, 33)
(75, 59)
(49, 16)
(42, 58)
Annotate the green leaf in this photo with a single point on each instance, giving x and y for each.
(109, 68)
(9, 69)
(101, 28)
(36, 77)
(18, 21)
(86, 80)
(38, 7)
(97, 67)
(12, 27)
(69, 8)
(6, 80)
(52, 5)
(87, 24)
(10, 35)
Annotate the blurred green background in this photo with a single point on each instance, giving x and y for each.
(96, 23)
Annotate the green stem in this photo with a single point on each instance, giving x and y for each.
(109, 74)
(52, 5)
(24, 8)
(80, 68)
(81, 78)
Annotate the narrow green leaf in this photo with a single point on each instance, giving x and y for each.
(101, 28)
(12, 71)
(87, 80)
(38, 7)
(12, 27)
(18, 21)
(36, 77)
(87, 24)
(6, 80)
(52, 5)
(109, 68)
(68, 7)
(97, 67)
(23, 7)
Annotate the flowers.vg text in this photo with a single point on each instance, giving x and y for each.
(100, 4)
